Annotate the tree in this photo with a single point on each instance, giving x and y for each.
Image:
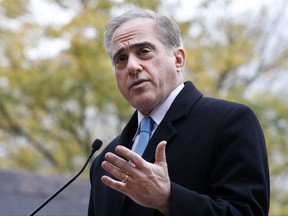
(233, 58)
(50, 104)
(52, 108)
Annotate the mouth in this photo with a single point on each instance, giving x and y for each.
(138, 84)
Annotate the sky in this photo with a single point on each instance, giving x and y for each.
(42, 9)
(188, 6)
(44, 12)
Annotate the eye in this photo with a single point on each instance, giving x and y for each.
(120, 59)
(144, 50)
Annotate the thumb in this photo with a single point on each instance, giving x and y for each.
(160, 155)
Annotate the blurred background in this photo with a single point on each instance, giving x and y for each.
(58, 93)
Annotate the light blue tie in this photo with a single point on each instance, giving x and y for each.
(146, 127)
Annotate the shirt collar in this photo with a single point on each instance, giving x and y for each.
(160, 110)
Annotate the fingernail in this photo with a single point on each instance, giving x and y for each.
(119, 148)
(108, 155)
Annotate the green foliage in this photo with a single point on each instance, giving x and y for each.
(51, 109)
(49, 104)
(14, 8)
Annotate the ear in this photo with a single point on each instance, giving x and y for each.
(180, 58)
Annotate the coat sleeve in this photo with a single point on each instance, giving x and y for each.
(239, 175)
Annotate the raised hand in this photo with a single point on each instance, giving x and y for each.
(148, 184)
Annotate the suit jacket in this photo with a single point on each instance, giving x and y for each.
(216, 157)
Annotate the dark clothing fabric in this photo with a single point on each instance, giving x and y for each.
(216, 157)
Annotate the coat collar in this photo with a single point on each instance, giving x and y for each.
(180, 108)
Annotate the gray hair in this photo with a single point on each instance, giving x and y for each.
(167, 30)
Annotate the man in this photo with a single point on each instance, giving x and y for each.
(205, 156)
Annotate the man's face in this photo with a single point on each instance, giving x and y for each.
(145, 72)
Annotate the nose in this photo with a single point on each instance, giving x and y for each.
(133, 65)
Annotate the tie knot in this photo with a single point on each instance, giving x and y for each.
(146, 125)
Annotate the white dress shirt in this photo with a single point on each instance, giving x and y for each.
(158, 113)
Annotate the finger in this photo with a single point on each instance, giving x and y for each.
(115, 166)
(160, 155)
(117, 161)
(116, 185)
(115, 171)
(137, 160)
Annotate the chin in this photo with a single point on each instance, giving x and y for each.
(144, 108)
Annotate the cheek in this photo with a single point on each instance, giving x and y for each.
(121, 82)
(168, 80)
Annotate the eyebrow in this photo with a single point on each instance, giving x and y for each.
(135, 45)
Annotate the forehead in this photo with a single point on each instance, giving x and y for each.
(133, 31)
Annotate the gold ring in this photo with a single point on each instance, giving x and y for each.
(125, 179)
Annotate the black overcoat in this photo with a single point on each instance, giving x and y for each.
(216, 157)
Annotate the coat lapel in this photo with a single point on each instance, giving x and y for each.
(180, 108)
(129, 131)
